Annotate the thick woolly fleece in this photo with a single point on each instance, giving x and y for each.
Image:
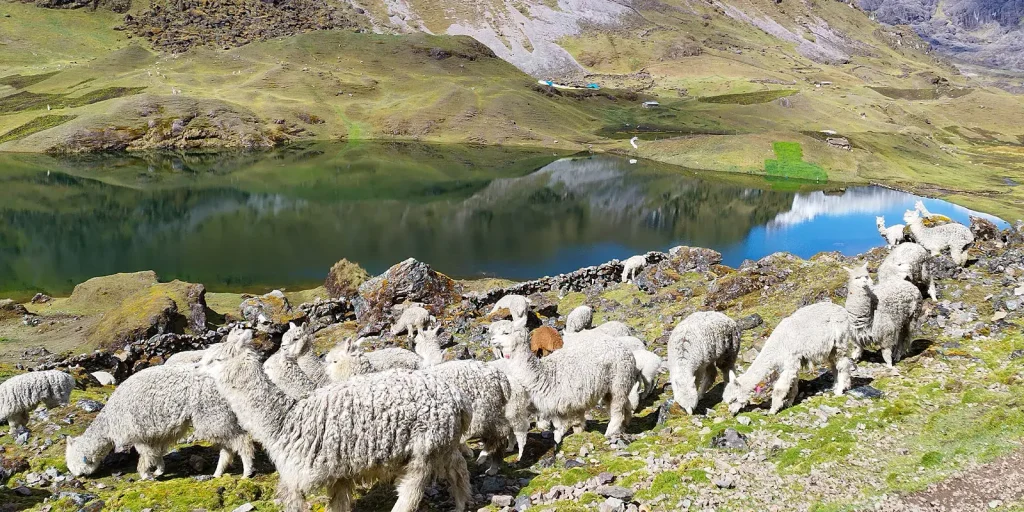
(372, 427)
(346, 360)
(698, 347)
(579, 319)
(517, 306)
(566, 384)
(916, 258)
(152, 410)
(414, 319)
(955, 237)
(899, 304)
(20, 394)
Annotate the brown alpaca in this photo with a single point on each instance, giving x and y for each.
(545, 340)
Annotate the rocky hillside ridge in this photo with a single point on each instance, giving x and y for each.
(983, 32)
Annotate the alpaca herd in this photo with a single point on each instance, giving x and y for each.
(356, 417)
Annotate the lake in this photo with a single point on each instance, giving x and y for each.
(251, 221)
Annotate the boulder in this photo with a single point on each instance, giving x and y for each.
(984, 229)
(344, 279)
(730, 439)
(680, 260)
(751, 277)
(11, 465)
(410, 280)
(100, 294)
(270, 313)
(11, 309)
(175, 307)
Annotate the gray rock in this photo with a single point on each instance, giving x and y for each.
(611, 505)
(104, 378)
(197, 463)
(750, 322)
(865, 392)
(573, 463)
(730, 439)
(21, 436)
(1017, 354)
(492, 484)
(725, 482)
(21, 490)
(93, 506)
(743, 420)
(605, 478)
(248, 507)
(501, 500)
(522, 503)
(615, 491)
(89, 405)
(80, 499)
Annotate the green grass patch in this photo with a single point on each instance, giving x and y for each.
(749, 98)
(921, 94)
(789, 163)
(23, 81)
(34, 126)
(24, 100)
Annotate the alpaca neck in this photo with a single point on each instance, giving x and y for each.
(313, 367)
(860, 306)
(762, 367)
(260, 406)
(430, 351)
(527, 368)
(916, 227)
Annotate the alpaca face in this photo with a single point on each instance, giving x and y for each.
(84, 457)
(735, 396)
(216, 358)
(859, 277)
(509, 336)
(911, 216)
(880, 222)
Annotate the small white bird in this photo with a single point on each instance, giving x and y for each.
(633, 141)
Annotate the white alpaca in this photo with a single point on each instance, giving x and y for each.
(194, 356)
(698, 347)
(632, 266)
(312, 366)
(373, 427)
(519, 410)
(414, 319)
(915, 258)
(283, 369)
(566, 384)
(20, 394)
(614, 328)
(933, 217)
(152, 410)
(955, 237)
(428, 347)
(579, 319)
(899, 303)
(893, 235)
(649, 365)
(517, 306)
(347, 360)
(814, 334)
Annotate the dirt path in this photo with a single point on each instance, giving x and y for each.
(998, 485)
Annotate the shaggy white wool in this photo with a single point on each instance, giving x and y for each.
(955, 237)
(698, 347)
(517, 306)
(20, 394)
(412, 320)
(579, 319)
(632, 266)
(916, 259)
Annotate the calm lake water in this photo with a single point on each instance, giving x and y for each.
(253, 221)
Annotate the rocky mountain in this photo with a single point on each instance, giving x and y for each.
(982, 32)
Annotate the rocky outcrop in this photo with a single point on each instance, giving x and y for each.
(984, 229)
(410, 280)
(322, 313)
(344, 279)
(11, 309)
(175, 307)
(270, 313)
(102, 293)
(680, 260)
(751, 277)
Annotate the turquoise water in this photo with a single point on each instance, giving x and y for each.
(253, 221)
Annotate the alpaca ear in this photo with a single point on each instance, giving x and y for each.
(848, 269)
(519, 323)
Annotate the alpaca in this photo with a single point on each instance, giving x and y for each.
(579, 319)
(916, 259)
(307, 360)
(194, 356)
(632, 266)
(20, 394)
(571, 381)
(283, 368)
(899, 303)
(649, 365)
(414, 319)
(614, 328)
(822, 332)
(700, 345)
(518, 411)
(517, 306)
(955, 237)
(489, 391)
(932, 219)
(152, 410)
(347, 360)
(545, 340)
(646, 364)
(428, 347)
(893, 235)
(372, 427)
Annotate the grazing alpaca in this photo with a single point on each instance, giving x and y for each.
(955, 237)
(916, 259)
(414, 319)
(579, 319)
(819, 333)
(899, 304)
(517, 306)
(22, 393)
(697, 346)
(632, 266)
(571, 381)
(369, 428)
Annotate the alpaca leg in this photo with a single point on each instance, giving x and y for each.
(18, 419)
(410, 486)
(223, 461)
(784, 386)
(466, 450)
(698, 381)
(710, 374)
(290, 496)
(620, 411)
(521, 441)
(843, 378)
(340, 496)
(886, 355)
(458, 480)
(147, 456)
(634, 395)
(247, 452)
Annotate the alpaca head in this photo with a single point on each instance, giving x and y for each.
(686, 396)
(217, 359)
(579, 319)
(345, 361)
(880, 222)
(510, 336)
(919, 207)
(296, 340)
(859, 277)
(735, 395)
(911, 216)
(903, 271)
(84, 455)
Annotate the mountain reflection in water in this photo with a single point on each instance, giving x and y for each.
(250, 221)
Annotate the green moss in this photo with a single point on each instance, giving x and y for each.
(931, 459)
(160, 307)
(25, 100)
(23, 81)
(789, 163)
(749, 98)
(34, 126)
